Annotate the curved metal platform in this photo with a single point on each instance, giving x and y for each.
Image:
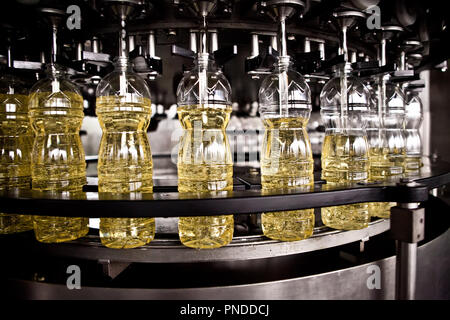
(345, 283)
(246, 198)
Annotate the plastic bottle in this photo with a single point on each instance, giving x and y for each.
(387, 146)
(15, 148)
(57, 162)
(125, 161)
(286, 160)
(413, 120)
(345, 107)
(204, 158)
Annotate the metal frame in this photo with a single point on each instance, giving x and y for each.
(348, 283)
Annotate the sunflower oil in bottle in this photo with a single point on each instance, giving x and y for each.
(57, 162)
(204, 158)
(287, 164)
(286, 160)
(378, 151)
(387, 142)
(414, 117)
(125, 163)
(379, 172)
(15, 148)
(345, 161)
(345, 106)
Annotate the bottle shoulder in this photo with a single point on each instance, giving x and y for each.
(53, 85)
(213, 88)
(126, 83)
(13, 104)
(356, 91)
(296, 92)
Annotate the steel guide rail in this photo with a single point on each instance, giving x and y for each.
(246, 198)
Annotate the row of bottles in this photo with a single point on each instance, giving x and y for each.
(364, 142)
(125, 165)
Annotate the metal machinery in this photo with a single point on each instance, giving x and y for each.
(410, 250)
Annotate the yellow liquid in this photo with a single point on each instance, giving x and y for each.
(413, 164)
(413, 157)
(57, 161)
(287, 164)
(204, 166)
(125, 166)
(15, 156)
(385, 165)
(344, 161)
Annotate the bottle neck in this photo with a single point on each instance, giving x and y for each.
(344, 69)
(54, 70)
(123, 64)
(204, 63)
(283, 63)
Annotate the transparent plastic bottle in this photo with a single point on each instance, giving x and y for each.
(57, 161)
(413, 120)
(387, 144)
(376, 138)
(125, 163)
(286, 158)
(15, 148)
(345, 108)
(204, 157)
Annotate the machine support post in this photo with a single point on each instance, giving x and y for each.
(407, 228)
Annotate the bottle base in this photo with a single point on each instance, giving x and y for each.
(206, 232)
(126, 233)
(288, 225)
(348, 217)
(15, 223)
(59, 229)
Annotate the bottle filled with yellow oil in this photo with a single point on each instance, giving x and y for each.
(413, 120)
(204, 159)
(15, 148)
(286, 157)
(386, 140)
(125, 163)
(57, 161)
(345, 162)
(345, 106)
